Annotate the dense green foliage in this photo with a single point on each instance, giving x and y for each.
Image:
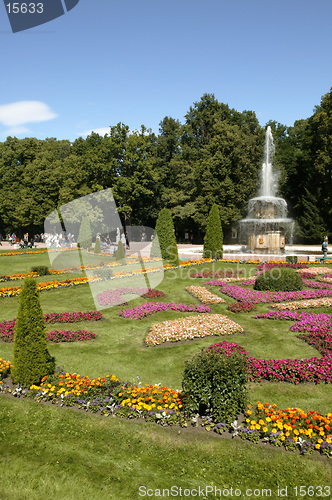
(166, 238)
(120, 253)
(213, 239)
(41, 270)
(97, 248)
(215, 156)
(214, 384)
(32, 360)
(279, 279)
(84, 239)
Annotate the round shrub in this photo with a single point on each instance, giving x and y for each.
(40, 270)
(279, 280)
(215, 384)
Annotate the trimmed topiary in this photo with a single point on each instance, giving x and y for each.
(166, 238)
(32, 360)
(120, 253)
(97, 248)
(84, 239)
(215, 384)
(279, 279)
(213, 239)
(40, 270)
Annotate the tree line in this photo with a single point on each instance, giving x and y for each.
(215, 156)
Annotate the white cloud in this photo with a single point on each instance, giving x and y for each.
(21, 112)
(101, 131)
(14, 131)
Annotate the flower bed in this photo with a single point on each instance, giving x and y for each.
(216, 274)
(69, 336)
(295, 371)
(320, 270)
(5, 367)
(151, 401)
(190, 328)
(291, 427)
(48, 285)
(7, 327)
(255, 296)
(41, 286)
(73, 317)
(69, 387)
(304, 321)
(13, 277)
(320, 339)
(326, 279)
(304, 304)
(306, 275)
(113, 297)
(149, 308)
(269, 265)
(203, 295)
(240, 307)
(316, 284)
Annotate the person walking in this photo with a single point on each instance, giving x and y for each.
(324, 248)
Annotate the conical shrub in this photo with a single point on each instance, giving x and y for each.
(97, 248)
(31, 361)
(166, 238)
(120, 253)
(213, 239)
(84, 239)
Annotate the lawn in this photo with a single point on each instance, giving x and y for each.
(68, 453)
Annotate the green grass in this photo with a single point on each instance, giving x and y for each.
(50, 452)
(60, 453)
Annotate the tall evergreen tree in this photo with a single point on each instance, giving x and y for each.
(166, 238)
(84, 239)
(32, 360)
(97, 248)
(120, 254)
(213, 240)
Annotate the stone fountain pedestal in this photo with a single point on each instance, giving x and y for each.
(263, 230)
(271, 242)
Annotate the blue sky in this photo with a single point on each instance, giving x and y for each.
(137, 61)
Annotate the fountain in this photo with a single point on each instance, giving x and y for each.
(266, 225)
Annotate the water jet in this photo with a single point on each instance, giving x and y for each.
(266, 226)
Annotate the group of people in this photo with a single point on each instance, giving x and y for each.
(58, 240)
(109, 246)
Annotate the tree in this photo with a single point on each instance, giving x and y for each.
(213, 240)
(312, 227)
(32, 360)
(84, 239)
(166, 238)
